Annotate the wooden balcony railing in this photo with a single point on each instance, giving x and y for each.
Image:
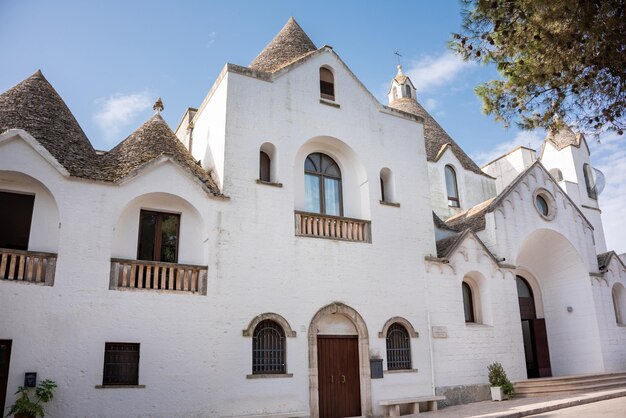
(154, 275)
(27, 266)
(332, 227)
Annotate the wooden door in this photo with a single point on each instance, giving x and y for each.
(5, 357)
(542, 352)
(338, 376)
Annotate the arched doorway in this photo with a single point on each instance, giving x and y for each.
(536, 350)
(561, 288)
(339, 379)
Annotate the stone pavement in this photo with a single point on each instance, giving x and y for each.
(521, 407)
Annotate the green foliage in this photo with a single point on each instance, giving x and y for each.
(24, 405)
(559, 59)
(498, 377)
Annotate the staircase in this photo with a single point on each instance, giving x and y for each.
(569, 384)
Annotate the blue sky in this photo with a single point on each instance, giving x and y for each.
(110, 60)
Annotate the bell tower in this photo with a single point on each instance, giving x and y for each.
(401, 87)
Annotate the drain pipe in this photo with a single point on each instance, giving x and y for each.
(432, 360)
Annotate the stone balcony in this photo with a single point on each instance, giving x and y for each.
(27, 266)
(340, 228)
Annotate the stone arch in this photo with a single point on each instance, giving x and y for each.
(338, 308)
(249, 331)
(46, 219)
(354, 181)
(402, 321)
(567, 299)
(193, 242)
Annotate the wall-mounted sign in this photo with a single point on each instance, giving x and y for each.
(30, 379)
(376, 366)
(440, 332)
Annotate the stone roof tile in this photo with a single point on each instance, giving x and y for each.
(434, 135)
(290, 44)
(35, 107)
(149, 142)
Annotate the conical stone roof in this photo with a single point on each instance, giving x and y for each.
(435, 136)
(150, 141)
(563, 137)
(34, 106)
(290, 44)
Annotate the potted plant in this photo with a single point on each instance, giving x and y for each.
(501, 386)
(24, 407)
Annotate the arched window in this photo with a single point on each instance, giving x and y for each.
(557, 174)
(387, 189)
(407, 89)
(468, 303)
(268, 348)
(451, 187)
(264, 166)
(327, 84)
(398, 348)
(322, 185)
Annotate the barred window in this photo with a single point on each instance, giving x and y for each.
(268, 348)
(121, 364)
(398, 348)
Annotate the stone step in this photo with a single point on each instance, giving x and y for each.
(577, 378)
(570, 383)
(572, 386)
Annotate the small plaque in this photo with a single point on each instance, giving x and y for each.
(440, 332)
(376, 366)
(30, 379)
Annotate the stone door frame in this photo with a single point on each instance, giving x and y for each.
(338, 308)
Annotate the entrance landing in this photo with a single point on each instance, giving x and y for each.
(565, 385)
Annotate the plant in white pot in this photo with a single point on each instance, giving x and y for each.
(501, 386)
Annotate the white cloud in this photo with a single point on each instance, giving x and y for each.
(609, 156)
(431, 104)
(530, 139)
(430, 72)
(119, 111)
(211, 41)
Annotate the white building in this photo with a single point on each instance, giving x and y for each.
(292, 235)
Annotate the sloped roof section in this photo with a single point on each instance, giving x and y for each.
(150, 141)
(604, 260)
(474, 217)
(34, 106)
(290, 44)
(435, 136)
(564, 137)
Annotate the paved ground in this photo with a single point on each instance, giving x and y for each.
(521, 407)
(603, 409)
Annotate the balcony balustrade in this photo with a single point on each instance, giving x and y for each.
(317, 225)
(154, 275)
(27, 266)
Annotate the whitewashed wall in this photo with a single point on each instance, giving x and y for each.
(473, 188)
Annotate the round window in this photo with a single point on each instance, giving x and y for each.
(545, 204)
(542, 205)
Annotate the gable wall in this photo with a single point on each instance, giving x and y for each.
(473, 188)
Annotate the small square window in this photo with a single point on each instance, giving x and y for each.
(121, 364)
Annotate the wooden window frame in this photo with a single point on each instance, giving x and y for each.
(404, 349)
(133, 379)
(472, 319)
(156, 254)
(321, 176)
(456, 198)
(261, 351)
(327, 86)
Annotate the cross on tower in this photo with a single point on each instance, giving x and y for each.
(397, 53)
